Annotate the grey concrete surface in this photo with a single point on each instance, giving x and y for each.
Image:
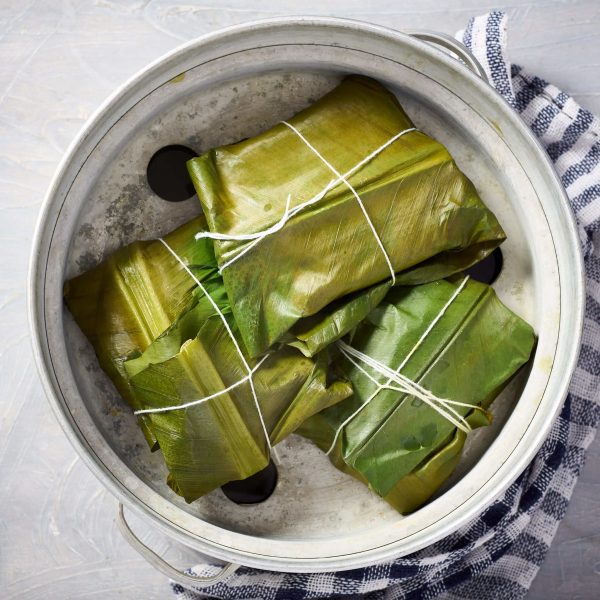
(58, 61)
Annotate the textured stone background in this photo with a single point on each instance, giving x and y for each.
(58, 61)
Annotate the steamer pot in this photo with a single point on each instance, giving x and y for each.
(234, 84)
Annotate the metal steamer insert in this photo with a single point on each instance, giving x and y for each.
(233, 85)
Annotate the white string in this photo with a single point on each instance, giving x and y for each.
(354, 193)
(386, 385)
(250, 236)
(433, 323)
(440, 405)
(146, 411)
(409, 386)
(288, 214)
(237, 347)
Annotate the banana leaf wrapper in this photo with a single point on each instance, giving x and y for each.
(428, 215)
(312, 334)
(398, 445)
(135, 295)
(222, 439)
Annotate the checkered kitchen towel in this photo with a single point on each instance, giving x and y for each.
(498, 554)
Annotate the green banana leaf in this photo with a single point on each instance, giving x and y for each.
(312, 334)
(428, 215)
(127, 301)
(222, 439)
(413, 490)
(401, 447)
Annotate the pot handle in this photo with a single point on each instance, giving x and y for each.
(449, 43)
(164, 567)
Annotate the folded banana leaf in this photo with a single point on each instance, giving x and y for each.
(400, 446)
(222, 439)
(312, 334)
(426, 212)
(131, 298)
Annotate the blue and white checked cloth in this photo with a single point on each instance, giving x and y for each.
(498, 554)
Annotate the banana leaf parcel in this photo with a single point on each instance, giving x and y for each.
(161, 341)
(212, 442)
(133, 296)
(424, 211)
(396, 443)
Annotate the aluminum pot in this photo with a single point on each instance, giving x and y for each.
(234, 84)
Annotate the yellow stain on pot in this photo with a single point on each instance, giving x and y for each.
(178, 78)
(545, 363)
(497, 127)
